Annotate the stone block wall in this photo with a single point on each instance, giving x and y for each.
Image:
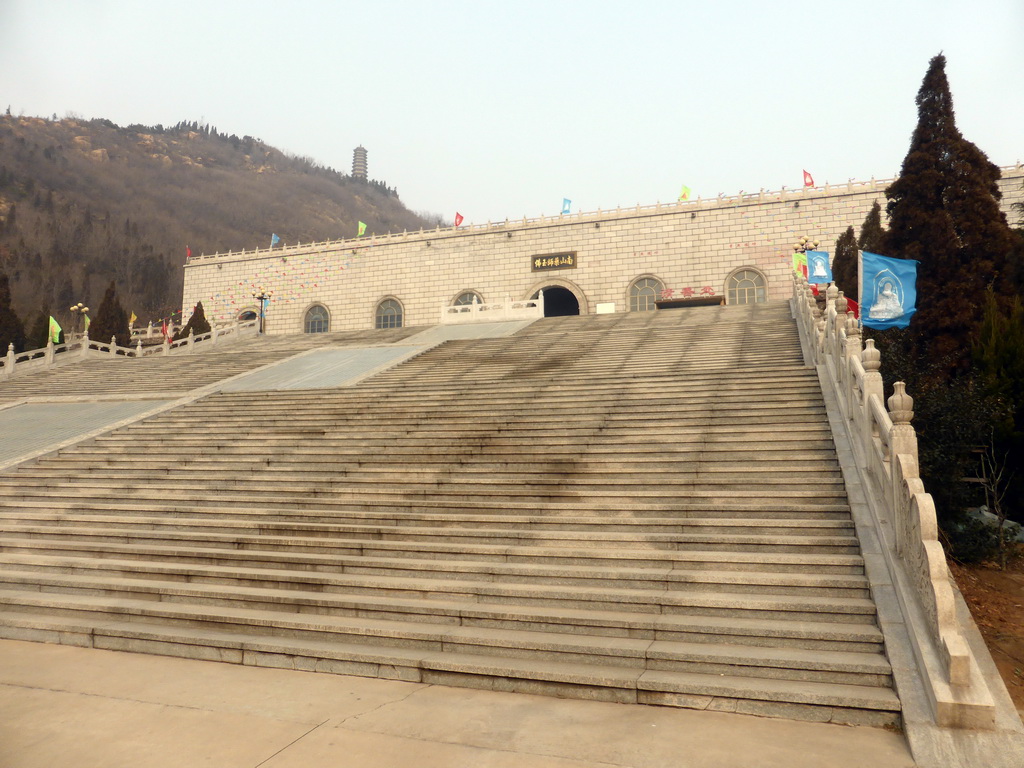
(694, 245)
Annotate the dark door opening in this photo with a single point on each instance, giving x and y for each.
(559, 302)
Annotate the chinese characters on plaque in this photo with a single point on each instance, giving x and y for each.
(686, 293)
(553, 261)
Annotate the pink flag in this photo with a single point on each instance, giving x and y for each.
(808, 180)
(458, 218)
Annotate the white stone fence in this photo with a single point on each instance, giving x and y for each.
(495, 312)
(15, 363)
(884, 445)
(152, 331)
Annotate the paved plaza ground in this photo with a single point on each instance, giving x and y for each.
(83, 708)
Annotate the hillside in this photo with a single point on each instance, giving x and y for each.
(83, 202)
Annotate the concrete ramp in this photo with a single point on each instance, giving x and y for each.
(324, 368)
(328, 368)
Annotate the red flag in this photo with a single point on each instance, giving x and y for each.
(458, 218)
(853, 306)
(808, 180)
(164, 331)
(188, 253)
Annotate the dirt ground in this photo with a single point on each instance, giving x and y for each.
(996, 599)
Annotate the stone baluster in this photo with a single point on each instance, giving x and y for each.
(48, 357)
(903, 438)
(9, 362)
(167, 345)
(871, 359)
(113, 346)
(213, 336)
(191, 340)
(138, 349)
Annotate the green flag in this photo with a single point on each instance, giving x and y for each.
(362, 229)
(55, 330)
(685, 194)
(87, 321)
(800, 263)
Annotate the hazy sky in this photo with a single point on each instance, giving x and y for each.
(500, 110)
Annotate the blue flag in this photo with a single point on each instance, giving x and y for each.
(566, 202)
(888, 291)
(274, 240)
(818, 269)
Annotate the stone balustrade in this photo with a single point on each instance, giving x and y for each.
(493, 312)
(15, 363)
(884, 445)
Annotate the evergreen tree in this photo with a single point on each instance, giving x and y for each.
(12, 331)
(39, 332)
(111, 320)
(999, 356)
(872, 233)
(944, 212)
(844, 264)
(197, 324)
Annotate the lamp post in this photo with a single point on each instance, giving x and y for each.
(79, 310)
(262, 297)
(805, 244)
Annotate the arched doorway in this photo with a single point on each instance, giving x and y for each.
(559, 301)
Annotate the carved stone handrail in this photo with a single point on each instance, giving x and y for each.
(15, 363)
(494, 312)
(884, 445)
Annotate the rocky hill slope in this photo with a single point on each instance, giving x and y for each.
(83, 202)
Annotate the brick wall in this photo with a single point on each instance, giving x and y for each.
(694, 245)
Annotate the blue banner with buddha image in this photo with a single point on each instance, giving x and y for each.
(888, 291)
(819, 271)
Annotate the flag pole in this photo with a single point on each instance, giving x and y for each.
(860, 288)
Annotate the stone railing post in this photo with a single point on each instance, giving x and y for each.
(9, 362)
(191, 340)
(113, 346)
(48, 357)
(871, 359)
(138, 348)
(903, 438)
(167, 345)
(213, 336)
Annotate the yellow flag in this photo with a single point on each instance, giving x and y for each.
(132, 319)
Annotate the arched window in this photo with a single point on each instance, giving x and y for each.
(746, 286)
(467, 297)
(643, 293)
(389, 314)
(317, 320)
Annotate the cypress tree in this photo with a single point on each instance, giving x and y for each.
(944, 212)
(111, 320)
(872, 234)
(844, 264)
(197, 324)
(12, 331)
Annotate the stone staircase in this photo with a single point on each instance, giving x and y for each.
(179, 372)
(637, 508)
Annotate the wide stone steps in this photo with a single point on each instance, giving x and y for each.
(442, 665)
(750, 576)
(452, 540)
(350, 618)
(491, 564)
(640, 509)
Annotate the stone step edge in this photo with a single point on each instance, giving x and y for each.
(416, 666)
(680, 560)
(639, 651)
(271, 600)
